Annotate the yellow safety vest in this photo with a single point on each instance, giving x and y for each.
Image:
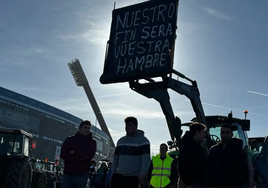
(161, 171)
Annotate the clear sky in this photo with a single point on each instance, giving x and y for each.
(220, 44)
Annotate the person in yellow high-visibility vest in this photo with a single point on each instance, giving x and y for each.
(162, 169)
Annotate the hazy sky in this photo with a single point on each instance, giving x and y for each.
(220, 44)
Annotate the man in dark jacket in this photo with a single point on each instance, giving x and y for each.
(77, 152)
(227, 162)
(191, 160)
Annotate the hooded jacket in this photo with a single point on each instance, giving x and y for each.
(191, 161)
(132, 155)
(84, 149)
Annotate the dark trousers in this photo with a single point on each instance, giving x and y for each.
(119, 181)
(74, 181)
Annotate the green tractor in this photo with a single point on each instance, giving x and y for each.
(16, 163)
(214, 123)
(256, 143)
(252, 146)
(158, 90)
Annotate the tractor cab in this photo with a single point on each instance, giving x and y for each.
(256, 143)
(214, 123)
(14, 142)
(49, 166)
(15, 160)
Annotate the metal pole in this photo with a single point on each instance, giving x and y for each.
(81, 80)
(97, 111)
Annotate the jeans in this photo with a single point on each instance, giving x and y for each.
(74, 181)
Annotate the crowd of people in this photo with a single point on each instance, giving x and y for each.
(225, 165)
(101, 177)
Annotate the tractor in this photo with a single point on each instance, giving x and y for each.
(53, 171)
(16, 163)
(214, 123)
(256, 143)
(158, 90)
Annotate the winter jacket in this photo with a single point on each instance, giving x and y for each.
(263, 163)
(132, 155)
(191, 162)
(84, 148)
(227, 166)
(98, 180)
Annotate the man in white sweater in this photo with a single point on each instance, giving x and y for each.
(131, 158)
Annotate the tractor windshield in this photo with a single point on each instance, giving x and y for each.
(238, 133)
(215, 132)
(10, 144)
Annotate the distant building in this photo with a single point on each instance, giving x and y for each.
(48, 125)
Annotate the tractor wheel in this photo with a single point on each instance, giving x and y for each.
(39, 180)
(50, 179)
(19, 174)
(3, 170)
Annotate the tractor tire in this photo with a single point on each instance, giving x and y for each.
(3, 171)
(50, 179)
(19, 174)
(39, 180)
(58, 185)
